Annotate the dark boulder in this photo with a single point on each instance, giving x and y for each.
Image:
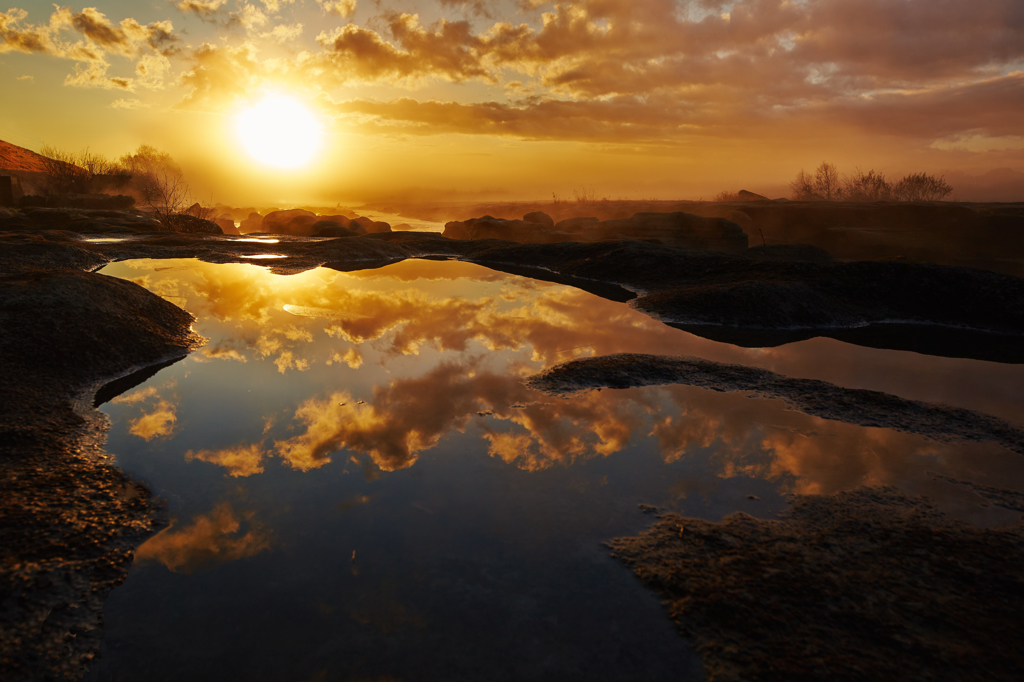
(575, 224)
(330, 228)
(540, 218)
(294, 222)
(254, 223)
(675, 229)
(370, 226)
(744, 195)
(183, 222)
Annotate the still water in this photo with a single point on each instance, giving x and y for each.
(362, 488)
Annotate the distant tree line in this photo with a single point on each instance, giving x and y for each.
(150, 175)
(826, 185)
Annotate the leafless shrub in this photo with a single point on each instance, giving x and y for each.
(921, 187)
(726, 196)
(66, 175)
(870, 186)
(585, 195)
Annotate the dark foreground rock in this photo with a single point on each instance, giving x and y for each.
(817, 398)
(69, 520)
(863, 585)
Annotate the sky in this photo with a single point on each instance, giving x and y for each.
(442, 100)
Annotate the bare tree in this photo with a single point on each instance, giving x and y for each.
(826, 181)
(165, 193)
(803, 187)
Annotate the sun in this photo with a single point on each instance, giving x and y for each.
(279, 131)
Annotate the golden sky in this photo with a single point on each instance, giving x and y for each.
(519, 99)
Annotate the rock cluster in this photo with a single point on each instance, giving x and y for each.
(301, 223)
(675, 229)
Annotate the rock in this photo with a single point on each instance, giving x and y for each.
(540, 218)
(744, 195)
(68, 526)
(86, 221)
(102, 202)
(227, 225)
(675, 229)
(862, 585)
(575, 224)
(183, 222)
(329, 228)
(790, 252)
(254, 223)
(371, 226)
(741, 219)
(490, 227)
(295, 222)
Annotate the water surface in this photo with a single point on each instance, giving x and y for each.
(362, 488)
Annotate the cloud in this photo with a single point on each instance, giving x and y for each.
(25, 78)
(221, 75)
(203, 8)
(156, 424)
(128, 104)
(240, 460)
(446, 50)
(480, 8)
(148, 44)
(283, 33)
(209, 539)
(345, 9)
(274, 6)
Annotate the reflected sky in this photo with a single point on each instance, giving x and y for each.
(368, 434)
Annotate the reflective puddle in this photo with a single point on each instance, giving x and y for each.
(362, 488)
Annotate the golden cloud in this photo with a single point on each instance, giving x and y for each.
(156, 424)
(135, 397)
(210, 538)
(240, 460)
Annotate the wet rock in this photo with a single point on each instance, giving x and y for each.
(862, 585)
(69, 527)
(817, 398)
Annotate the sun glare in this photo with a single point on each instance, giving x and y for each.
(279, 131)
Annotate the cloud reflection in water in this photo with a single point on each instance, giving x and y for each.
(441, 347)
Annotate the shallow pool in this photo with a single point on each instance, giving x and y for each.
(362, 488)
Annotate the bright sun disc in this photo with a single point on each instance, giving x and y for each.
(279, 132)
